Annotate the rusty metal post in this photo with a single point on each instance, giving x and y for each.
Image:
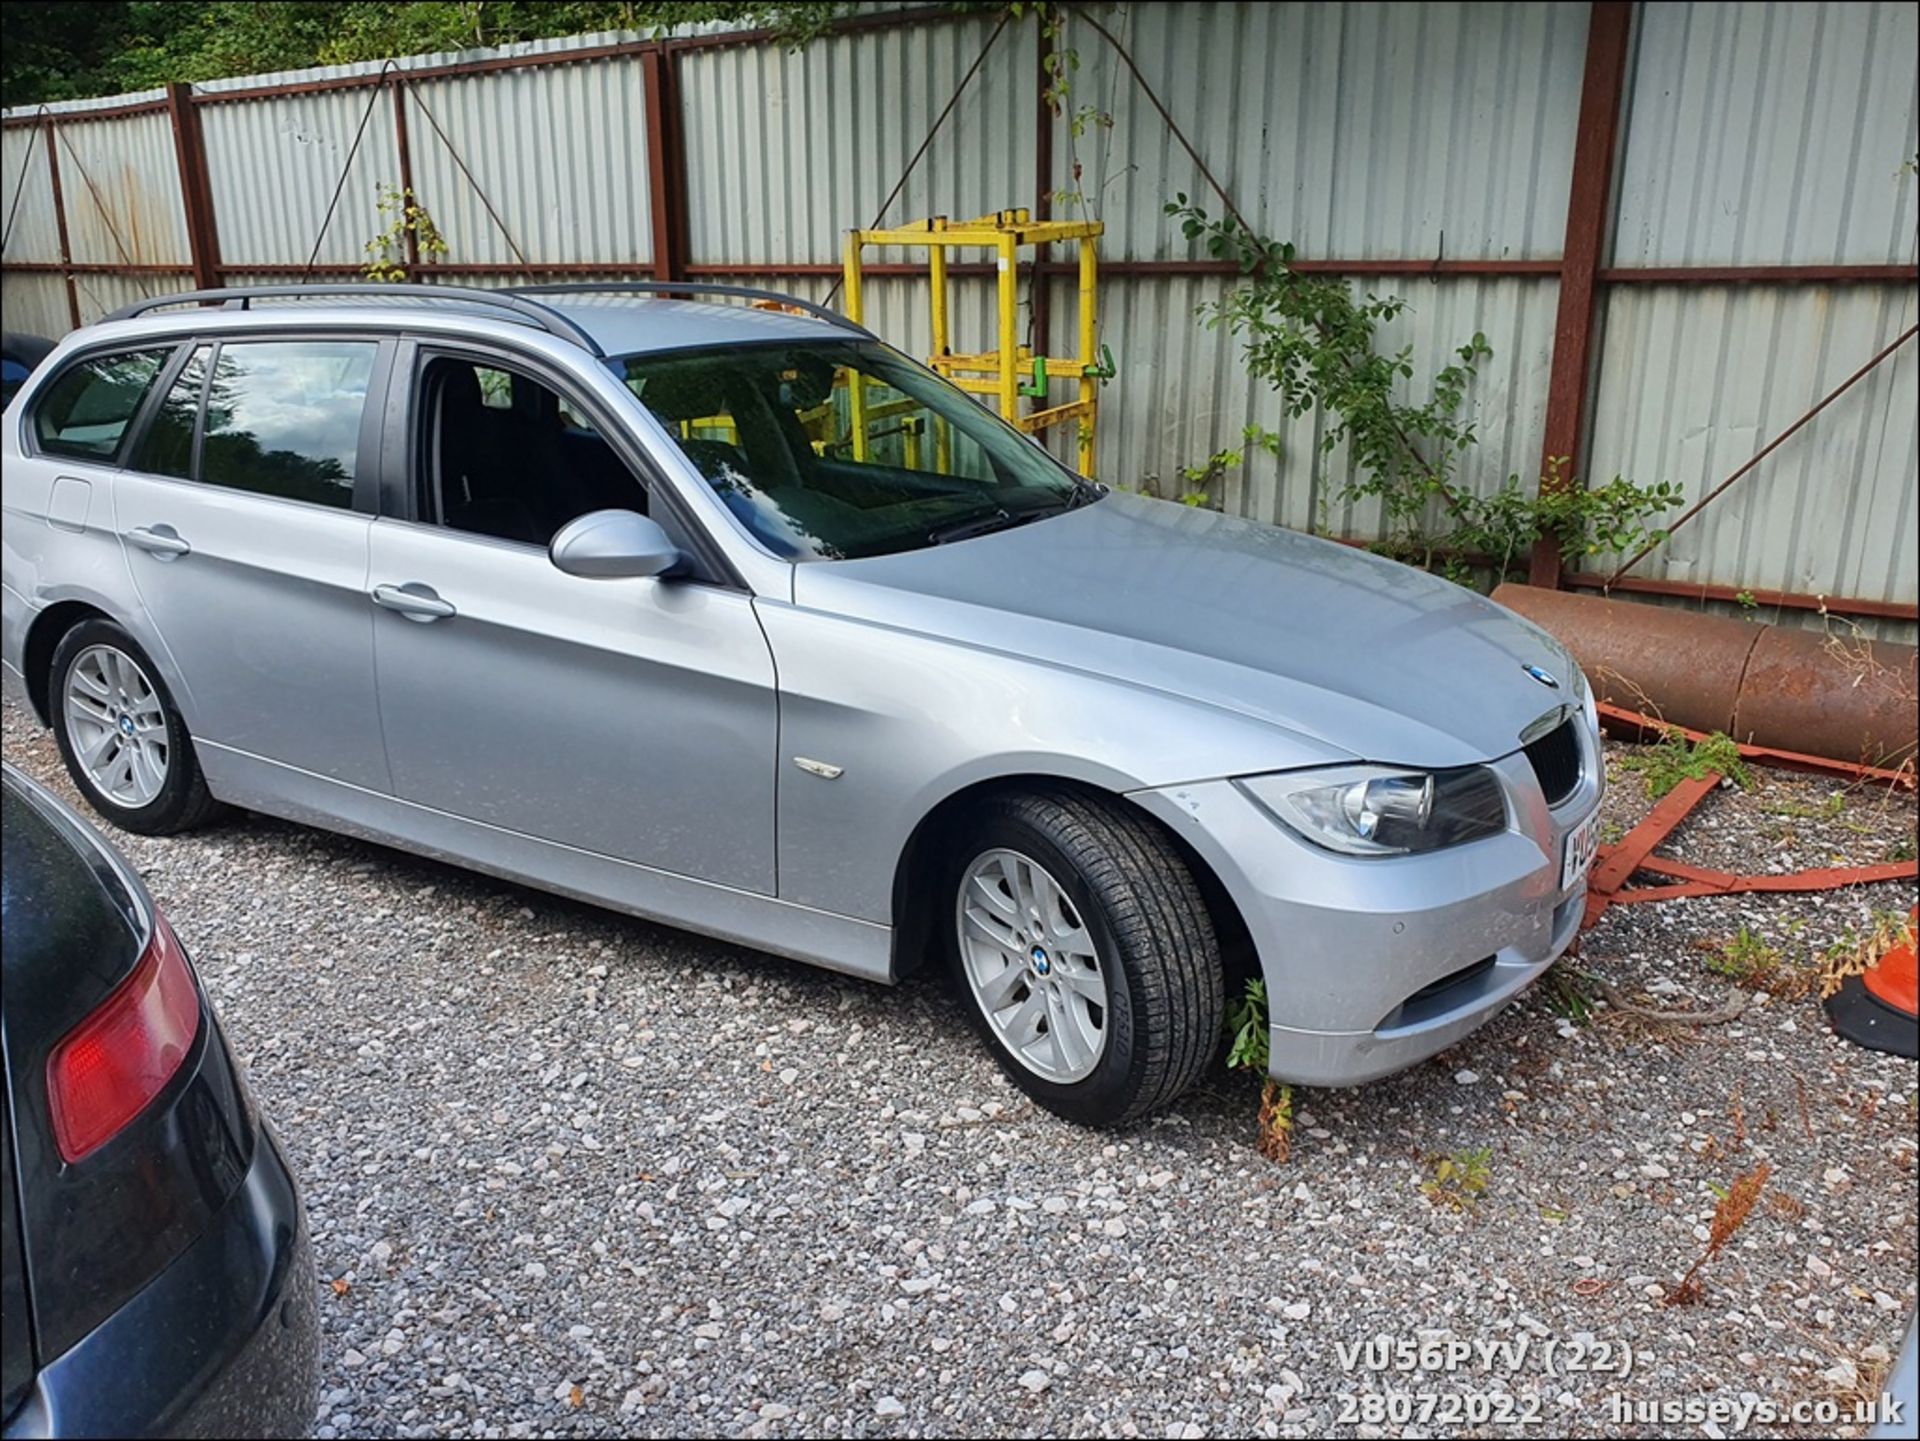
(1041, 291)
(666, 164)
(196, 187)
(403, 150)
(60, 226)
(1589, 206)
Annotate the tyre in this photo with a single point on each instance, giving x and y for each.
(1085, 953)
(122, 738)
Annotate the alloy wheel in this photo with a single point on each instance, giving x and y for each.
(1033, 966)
(117, 726)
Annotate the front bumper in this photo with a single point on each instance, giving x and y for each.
(1373, 964)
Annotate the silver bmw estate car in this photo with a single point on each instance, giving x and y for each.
(736, 618)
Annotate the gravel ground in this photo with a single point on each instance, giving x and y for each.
(572, 1174)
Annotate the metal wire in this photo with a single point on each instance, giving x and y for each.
(105, 215)
(379, 88)
(492, 214)
(1194, 155)
(1771, 446)
(392, 68)
(941, 119)
(20, 183)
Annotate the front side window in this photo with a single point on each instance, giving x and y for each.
(839, 450)
(508, 457)
(87, 410)
(283, 418)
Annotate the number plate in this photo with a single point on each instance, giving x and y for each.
(1576, 857)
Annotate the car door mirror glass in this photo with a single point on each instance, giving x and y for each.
(608, 544)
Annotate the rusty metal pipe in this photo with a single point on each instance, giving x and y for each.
(1825, 694)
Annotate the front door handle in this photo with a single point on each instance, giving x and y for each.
(413, 600)
(161, 540)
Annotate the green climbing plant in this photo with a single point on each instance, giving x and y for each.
(403, 216)
(1317, 341)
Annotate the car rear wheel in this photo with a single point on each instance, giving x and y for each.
(1085, 952)
(122, 739)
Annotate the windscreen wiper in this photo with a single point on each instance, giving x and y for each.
(972, 526)
(1084, 492)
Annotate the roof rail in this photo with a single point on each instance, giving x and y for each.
(693, 288)
(531, 311)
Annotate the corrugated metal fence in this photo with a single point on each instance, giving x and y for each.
(1754, 221)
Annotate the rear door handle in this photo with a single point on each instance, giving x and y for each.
(413, 600)
(162, 540)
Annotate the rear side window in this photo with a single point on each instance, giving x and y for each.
(167, 446)
(283, 418)
(87, 410)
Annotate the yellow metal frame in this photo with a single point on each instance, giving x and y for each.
(995, 372)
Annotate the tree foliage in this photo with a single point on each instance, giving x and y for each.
(62, 51)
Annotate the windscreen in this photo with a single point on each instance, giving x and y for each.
(838, 450)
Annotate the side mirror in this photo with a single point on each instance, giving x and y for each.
(609, 544)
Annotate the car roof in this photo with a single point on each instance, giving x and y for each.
(622, 325)
(614, 325)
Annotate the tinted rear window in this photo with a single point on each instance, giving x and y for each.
(85, 413)
(167, 446)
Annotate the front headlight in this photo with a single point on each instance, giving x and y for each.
(1379, 811)
(1583, 693)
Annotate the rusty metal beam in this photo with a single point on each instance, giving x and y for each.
(403, 153)
(1589, 205)
(103, 112)
(635, 269)
(196, 187)
(1147, 269)
(666, 164)
(1117, 269)
(60, 226)
(1040, 294)
(1613, 869)
(1517, 269)
(1615, 864)
(1759, 275)
(1645, 726)
(92, 267)
(1722, 883)
(809, 269)
(1740, 595)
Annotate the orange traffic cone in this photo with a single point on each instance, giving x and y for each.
(1879, 1009)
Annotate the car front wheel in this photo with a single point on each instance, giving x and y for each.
(1085, 950)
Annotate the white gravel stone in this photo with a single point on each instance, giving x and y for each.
(514, 1118)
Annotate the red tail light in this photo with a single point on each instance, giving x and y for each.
(112, 1064)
